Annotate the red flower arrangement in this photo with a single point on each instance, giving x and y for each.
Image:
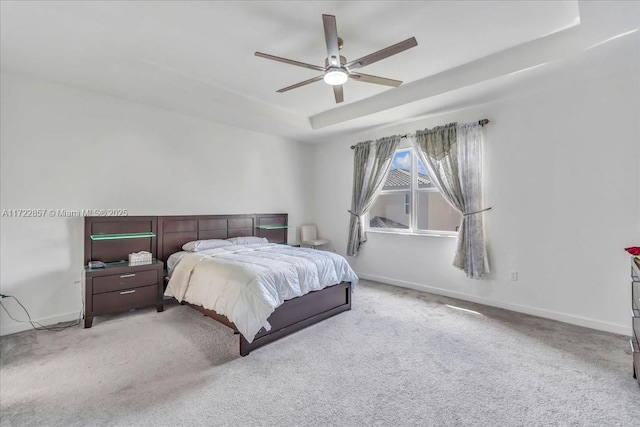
(634, 250)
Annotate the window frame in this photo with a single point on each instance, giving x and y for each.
(413, 193)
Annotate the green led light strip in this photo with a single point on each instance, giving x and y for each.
(273, 227)
(122, 236)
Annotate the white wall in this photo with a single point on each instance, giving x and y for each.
(562, 161)
(64, 148)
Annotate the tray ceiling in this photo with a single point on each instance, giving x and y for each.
(198, 57)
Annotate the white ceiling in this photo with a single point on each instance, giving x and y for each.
(198, 57)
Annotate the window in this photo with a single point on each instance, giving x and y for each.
(409, 201)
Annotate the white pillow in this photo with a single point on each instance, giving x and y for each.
(247, 240)
(201, 245)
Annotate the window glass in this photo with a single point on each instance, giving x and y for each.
(409, 201)
(392, 208)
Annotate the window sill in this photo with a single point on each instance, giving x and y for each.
(413, 233)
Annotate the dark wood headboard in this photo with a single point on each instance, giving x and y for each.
(169, 233)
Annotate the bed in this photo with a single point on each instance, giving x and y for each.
(284, 289)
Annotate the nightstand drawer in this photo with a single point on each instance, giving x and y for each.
(118, 282)
(112, 302)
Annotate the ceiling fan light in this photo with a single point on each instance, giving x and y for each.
(336, 76)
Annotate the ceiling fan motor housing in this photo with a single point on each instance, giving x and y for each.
(343, 61)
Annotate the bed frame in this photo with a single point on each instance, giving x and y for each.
(293, 315)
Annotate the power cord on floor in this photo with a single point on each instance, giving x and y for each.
(59, 327)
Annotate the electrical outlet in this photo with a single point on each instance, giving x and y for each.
(514, 276)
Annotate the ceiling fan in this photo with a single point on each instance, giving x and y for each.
(337, 70)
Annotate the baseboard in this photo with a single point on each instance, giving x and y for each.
(548, 314)
(15, 327)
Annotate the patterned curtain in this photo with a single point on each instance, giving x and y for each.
(452, 155)
(371, 163)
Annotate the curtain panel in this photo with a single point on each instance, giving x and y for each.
(452, 155)
(371, 163)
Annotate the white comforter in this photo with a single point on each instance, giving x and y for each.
(246, 283)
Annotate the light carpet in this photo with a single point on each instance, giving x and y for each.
(398, 358)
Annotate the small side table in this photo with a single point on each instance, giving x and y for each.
(121, 287)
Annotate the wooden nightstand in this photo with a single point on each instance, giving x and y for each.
(121, 287)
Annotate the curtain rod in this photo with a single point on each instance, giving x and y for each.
(480, 122)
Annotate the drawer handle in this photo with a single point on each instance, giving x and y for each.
(127, 292)
(124, 276)
(633, 346)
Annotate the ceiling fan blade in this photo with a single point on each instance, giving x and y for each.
(382, 54)
(368, 78)
(337, 92)
(304, 83)
(331, 37)
(289, 61)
